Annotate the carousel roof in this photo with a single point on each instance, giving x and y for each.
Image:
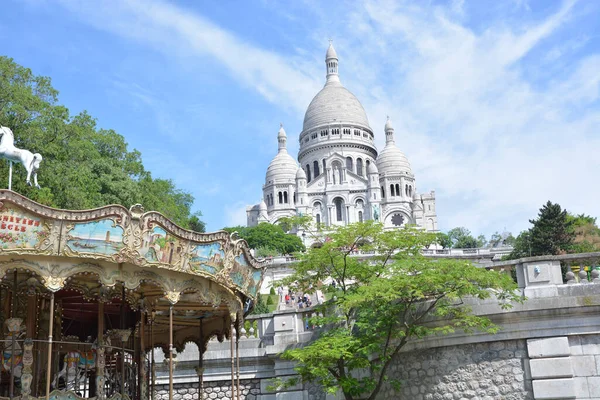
(133, 262)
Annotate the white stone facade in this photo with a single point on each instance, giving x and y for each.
(340, 177)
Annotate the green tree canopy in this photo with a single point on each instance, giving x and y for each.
(463, 239)
(268, 237)
(84, 166)
(553, 232)
(382, 303)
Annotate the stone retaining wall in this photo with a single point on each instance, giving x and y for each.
(212, 390)
(483, 371)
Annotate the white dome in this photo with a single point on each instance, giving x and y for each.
(372, 168)
(282, 169)
(300, 174)
(262, 206)
(334, 104)
(392, 160)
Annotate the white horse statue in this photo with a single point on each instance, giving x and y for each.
(30, 161)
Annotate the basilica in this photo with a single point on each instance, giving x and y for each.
(340, 177)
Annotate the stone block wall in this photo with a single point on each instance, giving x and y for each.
(483, 371)
(250, 389)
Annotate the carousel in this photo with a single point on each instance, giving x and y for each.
(85, 297)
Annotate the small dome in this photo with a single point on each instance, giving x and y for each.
(300, 174)
(330, 52)
(388, 124)
(392, 161)
(415, 195)
(372, 169)
(282, 169)
(281, 133)
(262, 206)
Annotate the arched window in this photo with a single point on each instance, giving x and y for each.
(392, 190)
(339, 203)
(382, 193)
(360, 203)
(360, 216)
(349, 163)
(398, 191)
(316, 168)
(307, 172)
(294, 197)
(410, 190)
(318, 218)
(359, 167)
(285, 199)
(280, 197)
(406, 189)
(368, 163)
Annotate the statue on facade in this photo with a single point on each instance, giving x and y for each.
(31, 161)
(376, 212)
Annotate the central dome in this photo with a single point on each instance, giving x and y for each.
(334, 104)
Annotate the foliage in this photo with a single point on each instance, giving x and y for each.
(587, 233)
(444, 240)
(382, 303)
(265, 252)
(461, 238)
(501, 240)
(554, 232)
(84, 166)
(272, 291)
(270, 301)
(260, 307)
(268, 236)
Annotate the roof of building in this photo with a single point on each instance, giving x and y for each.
(391, 160)
(283, 167)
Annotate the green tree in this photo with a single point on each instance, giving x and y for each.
(268, 237)
(462, 239)
(551, 232)
(381, 304)
(587, 233)
(444, 240)
(84, 166)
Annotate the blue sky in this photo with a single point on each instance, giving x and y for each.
(495, 103)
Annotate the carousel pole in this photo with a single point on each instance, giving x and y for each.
(237, 354)
(100, 361)
(49, 365)
(152, 356)
(13, 335)
(200, 362)
(142, 355)
(9, 175)
(122, 311)
(231, 333)
(171, 352)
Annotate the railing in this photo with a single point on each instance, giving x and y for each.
(544, 271)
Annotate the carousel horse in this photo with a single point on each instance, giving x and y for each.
(7, 356)
(75, 366)
(31, 161)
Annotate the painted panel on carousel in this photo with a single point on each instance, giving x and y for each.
(159, 246)
(20, 230)
(241, 273)
(207, 257)
(99, 237)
